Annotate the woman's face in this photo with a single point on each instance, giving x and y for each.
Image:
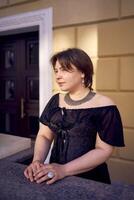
(68, 80)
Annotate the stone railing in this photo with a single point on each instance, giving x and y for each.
(14, 186)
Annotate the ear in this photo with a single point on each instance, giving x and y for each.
(82, 75)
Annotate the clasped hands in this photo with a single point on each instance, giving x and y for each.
(39, 172)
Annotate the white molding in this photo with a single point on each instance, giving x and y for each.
(42, 19)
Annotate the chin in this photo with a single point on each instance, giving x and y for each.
(64, 89)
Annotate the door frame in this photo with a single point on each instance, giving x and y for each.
(40, 20)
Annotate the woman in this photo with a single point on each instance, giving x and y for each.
(84, 125)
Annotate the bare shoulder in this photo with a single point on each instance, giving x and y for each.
(103, 100)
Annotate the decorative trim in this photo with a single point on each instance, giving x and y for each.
(43, 20)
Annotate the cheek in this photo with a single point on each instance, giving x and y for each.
(72, 77)
(76, 79)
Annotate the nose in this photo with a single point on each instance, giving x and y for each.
(58, 75)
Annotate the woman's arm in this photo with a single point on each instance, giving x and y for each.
(89, 160)
(42, 146)
(42, 143)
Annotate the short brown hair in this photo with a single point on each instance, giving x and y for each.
(79, 59)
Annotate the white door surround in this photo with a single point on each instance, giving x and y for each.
(41, 20)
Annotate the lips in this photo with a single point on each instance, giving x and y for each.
(60, 83)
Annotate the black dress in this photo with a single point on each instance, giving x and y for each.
(75, 133)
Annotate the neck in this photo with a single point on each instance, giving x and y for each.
(79, 94)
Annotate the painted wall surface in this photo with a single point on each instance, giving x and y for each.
(105, 30)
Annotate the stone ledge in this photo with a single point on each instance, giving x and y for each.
(10, 145)
(14, 186)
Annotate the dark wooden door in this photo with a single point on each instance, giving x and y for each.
(19, 84)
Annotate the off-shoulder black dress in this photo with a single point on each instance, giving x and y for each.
(75, 133)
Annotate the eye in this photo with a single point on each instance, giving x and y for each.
(56, 71)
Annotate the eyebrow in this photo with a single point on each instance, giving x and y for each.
(65, 68)
(55, 68)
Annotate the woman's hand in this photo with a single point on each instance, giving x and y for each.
(57, 170)
(31, 169)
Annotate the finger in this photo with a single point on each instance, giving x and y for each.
(30, 174)
(26, 173)
(49, 182)
(40, 174)
(52, 180)
(37, 172)
(42, 168)
(42, 179)
(34, 168)
(31, 170)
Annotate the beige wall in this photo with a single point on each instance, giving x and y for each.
(105, 30)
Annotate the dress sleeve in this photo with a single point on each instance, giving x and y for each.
(110, 127)
(48, 110)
